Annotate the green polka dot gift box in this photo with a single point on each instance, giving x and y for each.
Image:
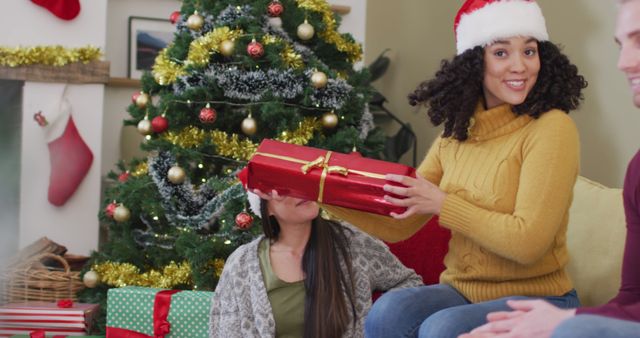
(139, 312)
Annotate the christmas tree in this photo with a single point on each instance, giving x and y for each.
(236, 72)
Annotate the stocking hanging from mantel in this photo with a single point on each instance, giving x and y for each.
(69, 155)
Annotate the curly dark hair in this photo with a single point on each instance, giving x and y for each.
(451, 97)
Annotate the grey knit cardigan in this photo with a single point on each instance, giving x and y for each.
(241, 308)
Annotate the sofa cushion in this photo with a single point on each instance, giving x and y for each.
(595, 239)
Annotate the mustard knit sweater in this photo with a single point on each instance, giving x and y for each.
(509, 188)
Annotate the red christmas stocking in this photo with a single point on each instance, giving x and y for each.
(64, 9)
(71, 159)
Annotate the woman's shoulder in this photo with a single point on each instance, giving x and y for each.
(555, 121)
(555, 116)
(360, 241)
(244, 252)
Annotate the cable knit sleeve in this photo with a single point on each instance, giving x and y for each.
(385, 227)
(225, 315)
(384, 270)
(549, 168)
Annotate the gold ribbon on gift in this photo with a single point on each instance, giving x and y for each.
(322, 162)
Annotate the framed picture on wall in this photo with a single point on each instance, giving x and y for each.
(147, 37)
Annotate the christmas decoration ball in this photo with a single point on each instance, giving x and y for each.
(159, 124)
(255, 49)
(134, 97)
(249, 126)
(329, 120)
(176, 175)
(142, 100)
(227, 47)
(195, 21)
(275, 22)
(110, 209)
(274, 9)
(144, 127)
(123, 177)
(208, 115)
(306, 31)
(174, 17)
(121, 214)
(91, 279)
(319, 79)
(244, 220)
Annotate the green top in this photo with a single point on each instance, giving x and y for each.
(287, 299)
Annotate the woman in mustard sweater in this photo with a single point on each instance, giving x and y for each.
(500, 176)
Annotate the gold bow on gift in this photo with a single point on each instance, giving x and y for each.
(322, 162)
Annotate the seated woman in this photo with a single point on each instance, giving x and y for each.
(305, 277)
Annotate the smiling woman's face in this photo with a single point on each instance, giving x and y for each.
(511, 68)
(292, 210)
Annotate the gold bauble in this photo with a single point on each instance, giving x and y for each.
(319, 79)
(306, 31)
(176, 175)
(144, 127)
(329, 120)
(142, 100)
(91, 279)
(195, 21)
(121, 214)
(249, 126)
(227, 47)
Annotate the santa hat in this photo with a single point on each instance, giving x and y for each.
(482, 22)
(254, 200)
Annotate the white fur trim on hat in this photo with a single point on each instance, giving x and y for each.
(500, 20)
(254, 203)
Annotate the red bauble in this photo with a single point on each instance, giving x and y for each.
(274, 9)
(110, 209)
(208, 115)
(123, 177)
(244, 220)
(174, 17)
(159, 124)
(255, 49)
(134, 97)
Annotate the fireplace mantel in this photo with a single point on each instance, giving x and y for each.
(77, 73)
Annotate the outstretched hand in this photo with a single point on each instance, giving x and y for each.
(422, 196)
(530, 319)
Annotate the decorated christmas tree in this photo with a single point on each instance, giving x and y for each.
(236, 72)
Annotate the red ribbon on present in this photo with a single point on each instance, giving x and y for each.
(161, 327)
(41, 334)
(65, 303)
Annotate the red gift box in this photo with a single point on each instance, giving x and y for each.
(344, 180)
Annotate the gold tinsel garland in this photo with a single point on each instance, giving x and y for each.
(330, 34)
(164, 70)
(140, 170)
(126, 274)
(231, 145)
(200, 49)
(47, 55)
(289, 56)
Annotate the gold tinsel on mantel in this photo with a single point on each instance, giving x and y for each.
(47, 55)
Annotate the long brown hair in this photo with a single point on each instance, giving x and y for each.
(326, 312)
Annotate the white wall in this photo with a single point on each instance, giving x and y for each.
(74, 225)
(420, 34)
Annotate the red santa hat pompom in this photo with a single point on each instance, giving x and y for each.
(482, 22)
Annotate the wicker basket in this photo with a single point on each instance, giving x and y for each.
(33, 281)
